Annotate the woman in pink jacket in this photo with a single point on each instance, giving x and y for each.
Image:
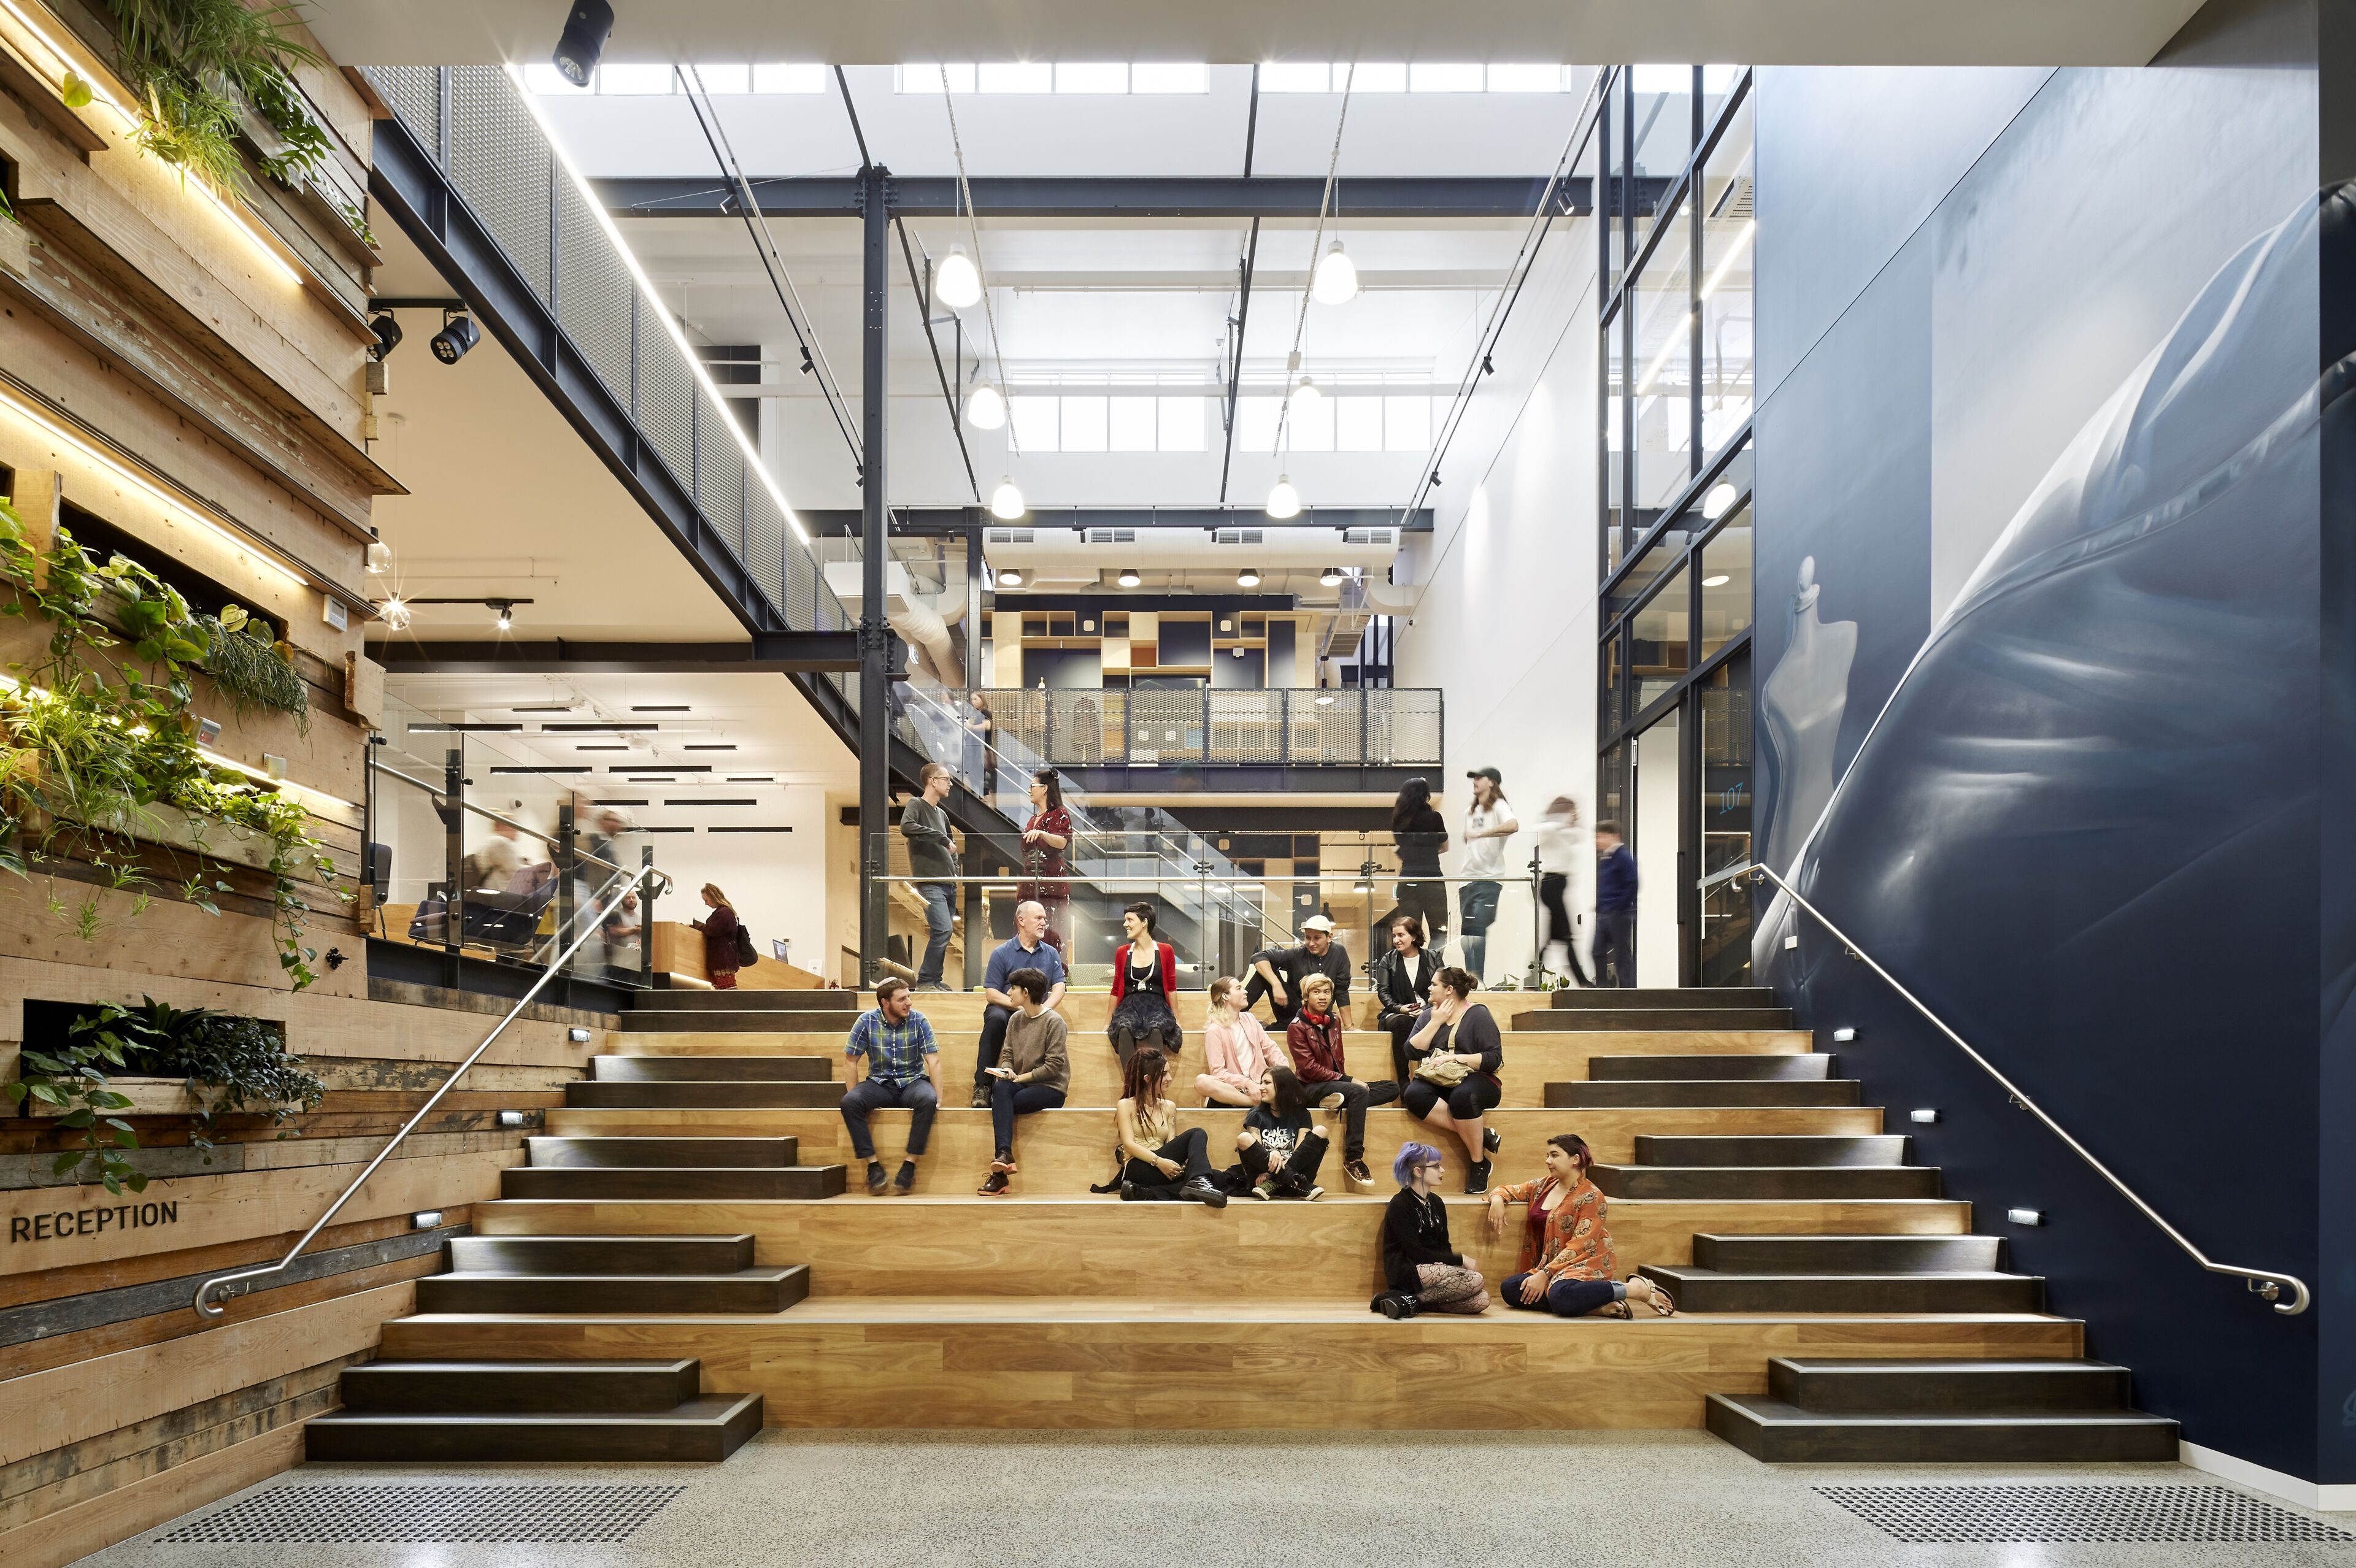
(1237, 1050)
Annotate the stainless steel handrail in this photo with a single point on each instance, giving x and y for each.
(2266, 1284)
(463, 804)
(205, 1307)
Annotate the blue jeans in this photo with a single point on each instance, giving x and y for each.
(940, 919)
(872, 1094)
(1477, 903)
(1009, 1100)
(1564, 1298)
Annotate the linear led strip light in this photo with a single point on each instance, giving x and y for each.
(1709, 287)
(63, 62)
(596, 206)
(17, 405)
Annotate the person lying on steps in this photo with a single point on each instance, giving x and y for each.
(1454, 1052)
(1235, 1050)
(1314, 1041)
(1160, 1163)
(1421, 1267)
(1033, 1070)
(892, 1045)
(1567, 1261)
(1279, 1149)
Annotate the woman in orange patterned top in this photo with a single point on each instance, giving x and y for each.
(1567, 1262)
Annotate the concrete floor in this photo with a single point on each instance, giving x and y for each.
(1586, 1499)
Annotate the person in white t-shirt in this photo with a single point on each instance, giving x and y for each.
(1486, 828)
(1562, 844)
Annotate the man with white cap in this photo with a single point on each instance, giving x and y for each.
(1277, 973)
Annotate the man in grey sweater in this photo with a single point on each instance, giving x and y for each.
(932, 853)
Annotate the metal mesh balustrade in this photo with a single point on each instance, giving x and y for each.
(595, 294)
(1247, 726)
(500, 163)
(414, 96)
(1326, 730)
(1403, 726)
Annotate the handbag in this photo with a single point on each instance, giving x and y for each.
(1447, 1074)
(746, 955)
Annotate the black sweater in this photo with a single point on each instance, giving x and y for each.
(1415, 1232)
(1475, 1032)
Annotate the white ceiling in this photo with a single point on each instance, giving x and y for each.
(1815, 32)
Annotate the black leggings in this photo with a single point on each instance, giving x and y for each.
(1469, 1101)
(1186, 1148)
(1398, 1025)
(1307, 1154)
(1558, 927)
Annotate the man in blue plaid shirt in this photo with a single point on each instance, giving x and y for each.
(895, 1047)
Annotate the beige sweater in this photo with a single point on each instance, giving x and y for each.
(1034, 1051)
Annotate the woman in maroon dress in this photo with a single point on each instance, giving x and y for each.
(1044, 838)
(718, 930)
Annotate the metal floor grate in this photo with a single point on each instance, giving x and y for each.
(1933, 1514)
(431, 1513)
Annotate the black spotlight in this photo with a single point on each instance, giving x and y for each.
(578, 48)
(459, 333)
(387, 327)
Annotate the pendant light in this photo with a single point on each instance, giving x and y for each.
(1330, 578)
(1336, 280)
(957, 284)
(1248, 578)
(395, 613)
(1129, 577)
(985, 408)
(1305, 398)
(1006, 501)
(1284, 501)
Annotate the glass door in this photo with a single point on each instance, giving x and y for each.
(1656, 823)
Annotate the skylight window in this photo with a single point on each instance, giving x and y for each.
(1092, 79)
(1166, 78)
(1017, 76)
(1070, 77)
(1445, 79)
(658, 81)
(1378, 76)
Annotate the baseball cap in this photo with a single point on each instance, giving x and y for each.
(1316, 922)
(1492, 774)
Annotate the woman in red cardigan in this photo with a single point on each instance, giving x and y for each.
(1144, 976)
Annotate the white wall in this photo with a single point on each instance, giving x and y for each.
(1504, 621)
(776, 880)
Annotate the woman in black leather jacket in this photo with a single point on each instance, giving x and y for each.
(1402, 987)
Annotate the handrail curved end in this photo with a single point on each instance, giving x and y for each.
(2270, 1285)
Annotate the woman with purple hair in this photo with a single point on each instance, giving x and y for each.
(1423, 1272)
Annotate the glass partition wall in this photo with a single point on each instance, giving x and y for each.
(1673, 446)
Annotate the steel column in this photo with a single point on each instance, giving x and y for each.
(874, 635)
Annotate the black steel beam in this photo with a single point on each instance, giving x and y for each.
(952, 521)
(769, 653)
(1027, 195)
(404, 179)
(875, 746)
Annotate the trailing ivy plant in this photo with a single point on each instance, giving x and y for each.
(236, 1066)
(73, 1078)
(252, 671)
(197, 65)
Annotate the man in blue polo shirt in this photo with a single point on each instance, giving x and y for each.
(895, 1044)
(1026, 949)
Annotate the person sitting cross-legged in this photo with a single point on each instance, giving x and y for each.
(1421, 1268)
(893, 1046)
(1314, 1042)
(1160, 1163)
(1235, 1050)
(1567, 1261)
(1279, 1149)
(1033, 1074)
(1028, 948)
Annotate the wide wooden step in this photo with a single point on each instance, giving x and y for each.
(1720, 1068)
(850, 1004)
(1779, 1183)
(1231, 1360)
(684, 1183)
(1104, 1250)
(1663, 1018)
(1944, 1387)
(1065, 1151)
(590, 1253)
(732, 1069)
(718, 1021)
(708, 1428)
(708, 1153)
(1690, 998)
(1630, 1091)
(453, 1388)
(757, 1289)
(1706, 1149)
(728, 1091)
(1846, 1255)
(1778, 1433)
(1707, 1290)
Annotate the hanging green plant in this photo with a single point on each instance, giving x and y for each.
(197, 65)
(253, 672)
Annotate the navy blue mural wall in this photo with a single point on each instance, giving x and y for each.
(2039, 530)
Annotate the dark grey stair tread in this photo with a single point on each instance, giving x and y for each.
(701, 1095)
(1560, 1020)
(496, 1387)
(1771, 1430)
(625, 1182)
(1758, 1149)
(755, 1290)
(1956, 1290)
(746, 999)
(709, 1428)
(1686, 1181)
(716, 1022)
(615, 1154)
(600, 1254)
(1846, 1255)
(1610, 998)
(1814, 1065)
(1866, 1386)
(1629, 1094)
(702, 1068)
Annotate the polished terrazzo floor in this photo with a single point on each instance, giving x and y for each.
(1588, 1500)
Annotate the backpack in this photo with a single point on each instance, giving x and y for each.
(746, 957)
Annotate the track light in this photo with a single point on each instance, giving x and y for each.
(1248, 578)
(506, 613)
(459, 333)
(809, 367)
(1284, 501)
(1009, 578)
(583, 43)
(1330, 578)
(380, 558)
(957, 284)
(985, 408)
(1435, 478)
(1128, 577)
(1336, 280)
(395, 613)
(387, 327)
(1006, 501)
(1488, 365)
(1714, 505)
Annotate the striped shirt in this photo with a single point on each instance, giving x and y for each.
(895, 1052)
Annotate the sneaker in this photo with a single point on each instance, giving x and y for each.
(1476, 1178)
(1005, 1164)
(1265, 1189)
(981, 1101)
(874, 1178)
(1490, 1142)
(1331, 1102)
(906, 1182)
(1356, 1172)
(1310, 1194)
(1395, 1305)
(995, 1186)
(929, 985)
